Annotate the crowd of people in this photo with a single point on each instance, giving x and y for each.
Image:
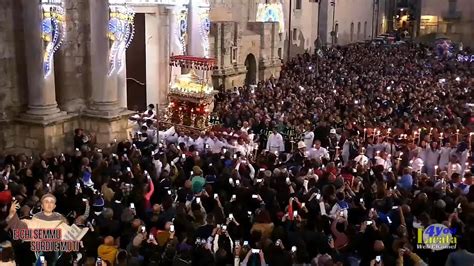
(342, 160)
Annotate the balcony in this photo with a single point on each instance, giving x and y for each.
(452, 15)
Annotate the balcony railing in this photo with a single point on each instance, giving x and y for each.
(452, 15)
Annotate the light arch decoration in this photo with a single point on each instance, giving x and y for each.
(183, 29)
(272, 12)
(205, 28)
(120, 33)
(53, 30)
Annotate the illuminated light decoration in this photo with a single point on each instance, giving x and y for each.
(271, 13)
(52, 31)
(121, 31)
(183, 29)
(204, 30)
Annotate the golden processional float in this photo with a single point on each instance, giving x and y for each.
(191, 96)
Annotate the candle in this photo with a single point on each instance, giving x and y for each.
(431, 130)
(375, 131)
(436, 170)
(441, 135)
(365, 132)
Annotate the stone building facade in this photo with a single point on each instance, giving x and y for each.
(246, 50)
(39, 112)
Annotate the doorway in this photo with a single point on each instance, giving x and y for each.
(136, 67)
(251, 65)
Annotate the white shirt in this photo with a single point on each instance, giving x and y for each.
(208, 144)
(199, 144)
(218, 145)
(369, 152)
(417, 164)
(275, 143)
(309, 138)
(186, 140)
(245, 129)
(381, 161)
(444, 157)
(432, 157)
(361, 159)
(242, 148)
(318, 153)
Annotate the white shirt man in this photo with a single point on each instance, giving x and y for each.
(417, 164)
(219, 143)
(242, 148)
(380, 160)
(199, 143)
(308, 138)
(361, 159)
(318, 152)
(208, 144)
(188, 141)
(445, 155)
(275, 142)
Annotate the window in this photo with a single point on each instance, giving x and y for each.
(298, 4)
(234, 54)
(358, 30)
(280, 53)
(295, 33)
(352, 31)
(365, 30)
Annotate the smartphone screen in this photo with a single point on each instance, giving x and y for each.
(172, 228)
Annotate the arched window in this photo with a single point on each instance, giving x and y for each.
(358, 30)
(352, 31)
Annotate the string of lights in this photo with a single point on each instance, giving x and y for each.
(204, 30)
(121, 31)
(53, 32)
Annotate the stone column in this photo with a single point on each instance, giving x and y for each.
(122, 84)
(42, 105)
(163, 59)
(153, 74)
(104, 98)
